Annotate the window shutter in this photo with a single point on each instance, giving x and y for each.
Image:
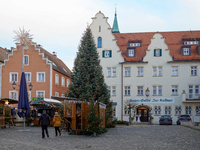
(160, 52)
(110, 53)
(190, 51)
(103, 53)
(154, 52)
(134, 52)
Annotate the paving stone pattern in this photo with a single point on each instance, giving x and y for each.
(146, 137)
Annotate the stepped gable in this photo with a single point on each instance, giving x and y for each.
(3, 54)
(58, 64)
(122, 42)
(172, 39)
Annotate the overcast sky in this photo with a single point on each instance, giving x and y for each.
(58, 25)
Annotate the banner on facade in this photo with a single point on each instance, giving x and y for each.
(152, 100)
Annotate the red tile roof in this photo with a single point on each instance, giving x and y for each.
(172, 39)
(3, 54)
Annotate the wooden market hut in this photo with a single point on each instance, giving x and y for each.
(75, 113)
(39, 104)
(4, 108)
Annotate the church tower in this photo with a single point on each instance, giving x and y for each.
(115, 24)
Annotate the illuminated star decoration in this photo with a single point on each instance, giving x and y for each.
(23, 37)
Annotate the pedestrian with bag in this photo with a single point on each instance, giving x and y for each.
(57, 122)
(45, 121)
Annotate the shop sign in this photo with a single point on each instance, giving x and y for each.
(152, 100)
(38, 100)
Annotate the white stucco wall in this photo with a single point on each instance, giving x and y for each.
(108, 43)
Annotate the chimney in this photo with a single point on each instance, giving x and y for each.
(55, 54)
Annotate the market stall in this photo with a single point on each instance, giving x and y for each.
(39, 104)
(75, 112)
(6, 113)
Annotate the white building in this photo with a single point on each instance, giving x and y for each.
(165, 63)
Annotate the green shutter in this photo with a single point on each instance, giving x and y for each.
(103, 53)
(154, 52)
(160, 52)
(110, 53)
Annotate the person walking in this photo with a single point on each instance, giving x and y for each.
(57, 122)
(45, 121)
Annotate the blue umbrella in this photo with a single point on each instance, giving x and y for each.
(23, 103)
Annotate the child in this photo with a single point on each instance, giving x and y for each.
(57, 122)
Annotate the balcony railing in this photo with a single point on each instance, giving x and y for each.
(192, 96)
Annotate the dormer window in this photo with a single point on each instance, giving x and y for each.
(134, 43)
(186, 50)
(191, 43)
(131, 52)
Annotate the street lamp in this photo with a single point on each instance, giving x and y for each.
(14, 86)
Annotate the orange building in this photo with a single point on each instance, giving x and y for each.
(47, 73)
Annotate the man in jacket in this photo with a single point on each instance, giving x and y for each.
(45, 121)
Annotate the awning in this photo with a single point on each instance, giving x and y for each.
(53, 101)
(10, 101)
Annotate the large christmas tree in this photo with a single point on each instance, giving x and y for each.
(87, 80)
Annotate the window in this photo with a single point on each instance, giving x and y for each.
(157, 110)
(99, 42)
(57, 94)
(198, 110)
(194, 92)
(114, 90)
(178, 110)
(26, 59)
(188, 110)
(159, 90)
(127, 90)
(126, 110)
(67, 82)
(62, 95)
(108, 72)
(29, 96)
(174, 90)
(191, 43)
(154, 71)
(13, 77)
(13, 95)
(140, 90)
(109, 90)
(193, 70)
(99, 28)
(107, 53)
(56, 79)
(131, 52)
(134, 43)
(157, 52)
(167, 110)
(175, 71)
(63, 81)
(127, 71)
(140, 71)
(40, 76)
(186, 51)
(190, 91)
(154, 90)
(40, 93)
(28, 76)
(114, 72)
(157, 71)
(114, 111)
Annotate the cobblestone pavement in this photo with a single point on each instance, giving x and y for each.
(153, 137)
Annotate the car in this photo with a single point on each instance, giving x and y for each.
(165, 119)
(183, 118)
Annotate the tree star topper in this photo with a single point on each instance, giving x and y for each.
(23, 37)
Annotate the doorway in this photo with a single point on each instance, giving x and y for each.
(144, 113)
